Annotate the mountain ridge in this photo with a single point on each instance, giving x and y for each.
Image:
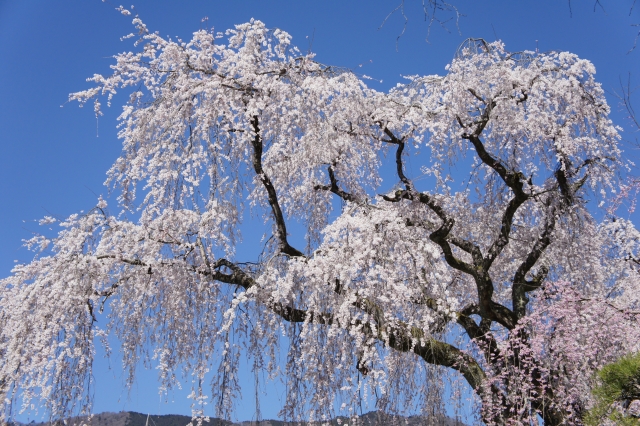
(131, 418)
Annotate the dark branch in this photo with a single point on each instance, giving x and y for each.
(121, 259)
(511, 178)
(521, 285)
(278, 217)
(393, 139)
(440, 235)
(399, 165)
(397, 335)
(467, 246)
(563, 184)
(333, 187)
(505, 228)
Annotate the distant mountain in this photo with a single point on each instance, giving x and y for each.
(373, 418)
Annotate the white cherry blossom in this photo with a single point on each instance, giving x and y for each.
(499, 273)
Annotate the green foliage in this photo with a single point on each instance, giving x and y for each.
(619, 382)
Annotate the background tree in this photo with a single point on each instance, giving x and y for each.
(401, 272)
(618, 393)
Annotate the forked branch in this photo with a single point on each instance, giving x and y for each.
(333, 187)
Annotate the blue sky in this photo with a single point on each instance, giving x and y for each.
(53, 160)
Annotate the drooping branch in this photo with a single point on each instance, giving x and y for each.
(405, 339)
(480, 333)
(402, 338)
(278, 217)
(397, 335)
(625, 95)
(110, 291)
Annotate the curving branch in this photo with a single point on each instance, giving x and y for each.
(440, 236)
(278, 217)
(393, 139)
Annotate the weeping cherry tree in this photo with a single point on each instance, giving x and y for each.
(492, 261)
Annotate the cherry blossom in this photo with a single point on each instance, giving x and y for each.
(489, 265)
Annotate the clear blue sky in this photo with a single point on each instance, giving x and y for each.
(52, 162)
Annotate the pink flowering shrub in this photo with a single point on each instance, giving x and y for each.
(556, 350)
